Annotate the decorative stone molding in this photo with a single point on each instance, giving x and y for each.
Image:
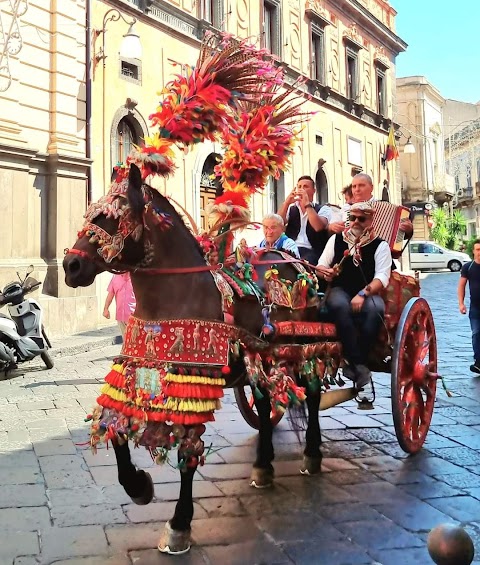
(13, 157)
(351, 36)
(380, 57)
(315, 10)
(180, 22)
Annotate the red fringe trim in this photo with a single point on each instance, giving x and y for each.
(116, 379)
(186, 418)
(181, 390)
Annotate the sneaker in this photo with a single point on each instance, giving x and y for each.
(366, 393)
(475, 368)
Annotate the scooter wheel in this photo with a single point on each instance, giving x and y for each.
(47, 360)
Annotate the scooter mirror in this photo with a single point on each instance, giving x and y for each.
(30, 270)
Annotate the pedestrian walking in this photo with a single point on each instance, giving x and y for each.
(121, 289)
(471, 273)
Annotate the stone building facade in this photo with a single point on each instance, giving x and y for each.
(462, 158)
(43, 163)
(75, 113)
(424, 178)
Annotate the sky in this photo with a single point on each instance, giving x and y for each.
(443, 45)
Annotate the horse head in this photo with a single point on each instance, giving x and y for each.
(116, 233)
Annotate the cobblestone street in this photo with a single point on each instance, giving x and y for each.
(372, 504)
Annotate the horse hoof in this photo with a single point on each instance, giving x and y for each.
(261, 478)
(174, 542)
(147, 495)
(311, 465)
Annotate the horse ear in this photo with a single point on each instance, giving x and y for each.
(134, 191)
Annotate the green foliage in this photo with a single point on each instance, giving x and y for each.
(469, 245)
(447, 229)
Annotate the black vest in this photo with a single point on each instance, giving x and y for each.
(317, 239)
(352, 278)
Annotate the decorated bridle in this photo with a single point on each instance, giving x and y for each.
(115, 205)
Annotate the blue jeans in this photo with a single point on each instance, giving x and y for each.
(356, 331)
(474, 316)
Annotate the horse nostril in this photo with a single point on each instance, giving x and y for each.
(74, 266)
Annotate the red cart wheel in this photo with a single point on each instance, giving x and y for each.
(414, 375)
(246, 405)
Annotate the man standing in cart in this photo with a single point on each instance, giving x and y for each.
(471, 274)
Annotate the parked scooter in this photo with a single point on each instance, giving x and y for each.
(22, 335)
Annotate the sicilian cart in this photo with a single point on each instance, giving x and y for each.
(406, 349)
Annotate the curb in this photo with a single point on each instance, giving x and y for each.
(86, 342)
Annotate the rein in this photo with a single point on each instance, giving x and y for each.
(146, 270)
(175, 270)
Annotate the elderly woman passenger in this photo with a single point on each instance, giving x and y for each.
(275, 238)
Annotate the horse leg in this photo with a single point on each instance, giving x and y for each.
(175, 538)
(312, 456)
(137, 483)
(262, 472)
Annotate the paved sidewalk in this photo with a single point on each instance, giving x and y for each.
(371, 505)
(85, 341)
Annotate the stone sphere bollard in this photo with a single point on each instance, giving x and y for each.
(450, 545)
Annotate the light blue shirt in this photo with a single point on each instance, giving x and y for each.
(284, 243)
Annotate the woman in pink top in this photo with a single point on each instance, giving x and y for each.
(120, 288)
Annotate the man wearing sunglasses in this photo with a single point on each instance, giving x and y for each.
(357, 265)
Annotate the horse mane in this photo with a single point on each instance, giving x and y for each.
(168, 208)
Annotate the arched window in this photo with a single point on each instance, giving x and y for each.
(126, 136)
(209, 185)
(385, 193)
(321, 185)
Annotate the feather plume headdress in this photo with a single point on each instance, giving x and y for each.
(261, 145)
(201, 105)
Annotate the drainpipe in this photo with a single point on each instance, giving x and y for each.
(88, 97)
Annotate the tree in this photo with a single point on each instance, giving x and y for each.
(447, 228)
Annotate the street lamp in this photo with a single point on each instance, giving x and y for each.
(130, 48)
(409, 148)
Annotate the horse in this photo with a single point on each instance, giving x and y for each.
(169, 274)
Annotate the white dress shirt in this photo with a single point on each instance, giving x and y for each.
(383, 259)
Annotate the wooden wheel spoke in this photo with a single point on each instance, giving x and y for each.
(414, 377)
(408, 395)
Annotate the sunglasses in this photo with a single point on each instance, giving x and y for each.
(360, 219)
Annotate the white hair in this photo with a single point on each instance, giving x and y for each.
(275, 217)
(368, 178)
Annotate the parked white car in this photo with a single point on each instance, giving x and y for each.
(430, 255)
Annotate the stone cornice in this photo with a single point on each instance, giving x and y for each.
(329, 98)
(360, 14)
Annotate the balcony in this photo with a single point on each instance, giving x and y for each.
(465, 194)
(444, 188)
(444, 183)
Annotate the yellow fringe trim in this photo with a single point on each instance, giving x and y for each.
(188, 405)
(171, 378)
(172, 404)
(114, 393)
